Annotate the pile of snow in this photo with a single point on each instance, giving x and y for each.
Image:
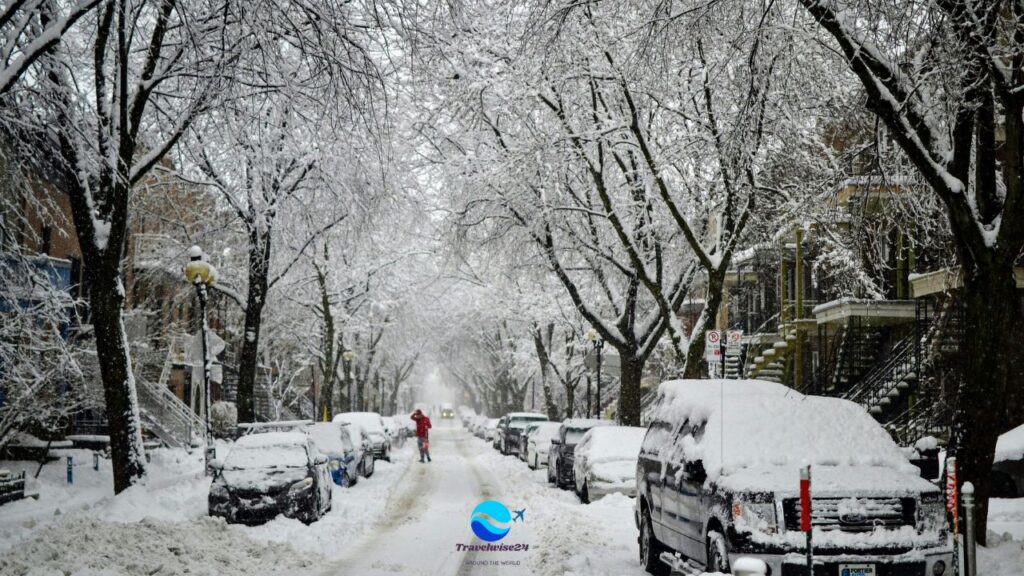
(209, 546)
(371, 422)
(738, 425)
(1011, 445)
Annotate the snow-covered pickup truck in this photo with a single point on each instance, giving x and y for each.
(718, 478)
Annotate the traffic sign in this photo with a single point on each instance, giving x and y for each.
(713, 346)
(733, 340)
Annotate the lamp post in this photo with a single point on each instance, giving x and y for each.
(349, 356)
(201, 274)
(598, 343)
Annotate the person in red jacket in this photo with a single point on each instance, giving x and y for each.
(422, 434)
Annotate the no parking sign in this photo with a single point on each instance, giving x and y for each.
(713, 346)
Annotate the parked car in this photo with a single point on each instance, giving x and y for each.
(560, 456)
(478, 426)
(491, 429)
(718, 478)
(373, 426)
(510, 430)
(271, 474)
(538, 442)
(524, 438)
(604, 462)
(344, 460)
(396, 432)
(1008, 468)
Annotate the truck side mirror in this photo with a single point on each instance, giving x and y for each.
(694, 470)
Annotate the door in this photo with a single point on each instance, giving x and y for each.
(651, 479)
(691, 501)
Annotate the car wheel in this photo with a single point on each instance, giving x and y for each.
(718, 553)
(387, 454)
(650, 548)
(350, 479)
(551, 477)
(372, 467)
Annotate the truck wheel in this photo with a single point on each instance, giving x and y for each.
(650, 548)
(718, 553)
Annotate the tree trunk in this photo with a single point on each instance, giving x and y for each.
(629, 396)
(106, 296)
(248, 361)
(991, 384)
(570, 402)
(712, 302)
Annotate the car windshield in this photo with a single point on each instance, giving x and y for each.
(574, 435)
(280, 456)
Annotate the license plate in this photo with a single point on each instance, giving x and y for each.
(857, 570)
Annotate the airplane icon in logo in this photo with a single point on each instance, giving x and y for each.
(519, 515)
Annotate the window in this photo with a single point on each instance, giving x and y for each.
(45, 244)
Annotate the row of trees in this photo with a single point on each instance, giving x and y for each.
(567, 166)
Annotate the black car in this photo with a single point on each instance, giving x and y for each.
(560, 457)
(718, 478)
(510, 430)
(1008, 467)
(271, 474)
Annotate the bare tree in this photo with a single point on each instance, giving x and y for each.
(31, 28)
(953, 100)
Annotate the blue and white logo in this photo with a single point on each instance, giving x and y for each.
(491, 521)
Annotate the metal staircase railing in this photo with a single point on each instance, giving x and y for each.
(165, 415)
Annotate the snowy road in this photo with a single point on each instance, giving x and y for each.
(428, 516)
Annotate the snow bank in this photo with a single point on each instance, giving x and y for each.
(84, 545)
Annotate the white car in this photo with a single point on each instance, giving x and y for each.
(538, 443)
(491, 429)
(604, 462)
(373, 426)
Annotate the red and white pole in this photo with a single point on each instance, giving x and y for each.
(805, 515)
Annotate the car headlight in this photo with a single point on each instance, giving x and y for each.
(932, 513)
(301, 486)
(754, 516)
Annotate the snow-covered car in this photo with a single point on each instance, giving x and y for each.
(373, 426)
(718, 478)
(524, 438)
(344, 460)
(538, 443)
(479, 426)
(510, 430)
(396, 432)
(1008, 467)
(490, 429)
(560, 454)
(604, 462)
(271, 474)
(447, 411)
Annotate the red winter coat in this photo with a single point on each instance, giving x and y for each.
(422, 424)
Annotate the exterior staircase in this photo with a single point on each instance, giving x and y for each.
(857, 355)
(162, 413)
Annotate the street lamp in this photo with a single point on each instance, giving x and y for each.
(201, 274)
(593, 337)
(349, 356)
